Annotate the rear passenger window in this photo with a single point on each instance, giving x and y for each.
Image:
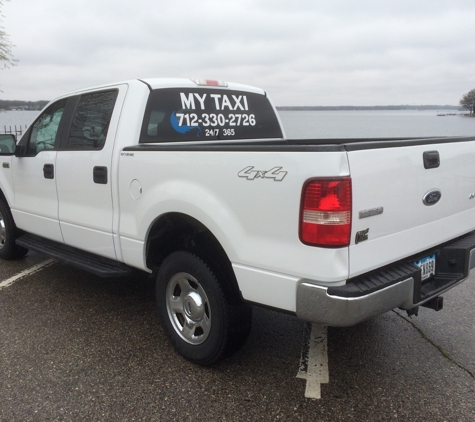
(91, 121)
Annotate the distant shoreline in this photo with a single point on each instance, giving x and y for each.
(356, 108)
(14, 105)
(38, 105)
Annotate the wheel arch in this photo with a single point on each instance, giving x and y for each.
(5, 201)
(176, 231)
(9, 232)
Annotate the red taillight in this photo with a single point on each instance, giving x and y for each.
(325, 214)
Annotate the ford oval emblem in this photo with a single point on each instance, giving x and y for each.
(432, 197)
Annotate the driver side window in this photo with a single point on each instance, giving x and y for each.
(45, 129)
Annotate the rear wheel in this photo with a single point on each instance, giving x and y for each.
(8, 234)
(203, 318)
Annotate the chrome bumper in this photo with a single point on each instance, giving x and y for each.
(314, 304)
(399, 286)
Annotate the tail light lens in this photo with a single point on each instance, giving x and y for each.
(325, 214)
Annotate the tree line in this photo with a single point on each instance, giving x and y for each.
(22, 105)
(468, 102)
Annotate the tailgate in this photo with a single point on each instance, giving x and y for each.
(404, 203)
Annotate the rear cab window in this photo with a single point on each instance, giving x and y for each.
(203, 114)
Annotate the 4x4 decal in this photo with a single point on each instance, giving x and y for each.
(274, 173)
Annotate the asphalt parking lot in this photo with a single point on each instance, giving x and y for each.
(74, 347)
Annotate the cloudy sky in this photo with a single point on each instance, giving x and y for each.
(302, 52)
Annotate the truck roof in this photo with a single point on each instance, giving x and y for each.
(157, 83)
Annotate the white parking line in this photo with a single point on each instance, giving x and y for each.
(27, 272)
(314, 360)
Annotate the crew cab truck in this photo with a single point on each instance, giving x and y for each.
(194, 181)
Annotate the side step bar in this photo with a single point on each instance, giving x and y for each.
(100, 266)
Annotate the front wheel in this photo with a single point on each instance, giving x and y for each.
(8, 234)
(201, 315)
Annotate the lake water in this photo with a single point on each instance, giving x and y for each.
(374, 124)
(338, 124)
(20, 119)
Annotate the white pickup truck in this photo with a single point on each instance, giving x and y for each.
(195, 181)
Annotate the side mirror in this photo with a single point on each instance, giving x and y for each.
(20, 150)
(7, 144)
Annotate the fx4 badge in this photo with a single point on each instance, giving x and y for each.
(361, 236)
(274, 173)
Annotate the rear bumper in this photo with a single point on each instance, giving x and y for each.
(396, 286)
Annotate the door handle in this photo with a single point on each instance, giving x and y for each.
(431, 159)
(48, 171)
(100, 175)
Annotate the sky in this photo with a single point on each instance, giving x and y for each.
(302, 52)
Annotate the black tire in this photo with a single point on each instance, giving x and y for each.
(203, 318)
(8, 234)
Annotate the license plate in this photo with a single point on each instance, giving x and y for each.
(427, 266)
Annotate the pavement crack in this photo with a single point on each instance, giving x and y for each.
(439, 348)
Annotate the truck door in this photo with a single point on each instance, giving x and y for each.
(35, 205)
(84, 170)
